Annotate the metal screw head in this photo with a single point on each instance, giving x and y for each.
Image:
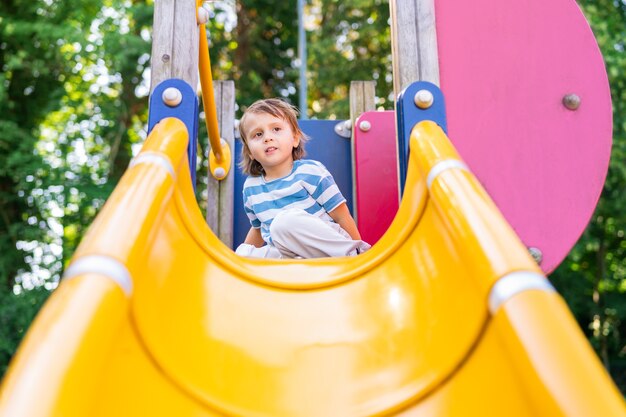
(165, 58)
(423, 99)
(172, 96)
(219, 173)
(365, 126)
(536, 254)
(571, 101)
(202, 16)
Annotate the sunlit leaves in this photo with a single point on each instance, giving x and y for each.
(349, 40)
(70, 92)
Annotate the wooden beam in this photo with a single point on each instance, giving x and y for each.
(221, 194)
(174, 42)
(362, 99)
(414, 43)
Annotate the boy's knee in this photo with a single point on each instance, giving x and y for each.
(285, 223)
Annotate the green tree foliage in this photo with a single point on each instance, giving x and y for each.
(16, 314)
(593, 277)
(258, 52)
(73, 101)
(103, 115)
(71, 107)
(34, 69)
(348, 40)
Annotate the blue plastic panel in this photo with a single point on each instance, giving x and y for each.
(325, 146)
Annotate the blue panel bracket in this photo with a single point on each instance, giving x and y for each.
(409, 114)
(186, 111)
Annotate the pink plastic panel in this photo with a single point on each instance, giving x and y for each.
(376, 174)
(505, 66)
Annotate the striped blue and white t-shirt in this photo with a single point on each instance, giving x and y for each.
(309, 187)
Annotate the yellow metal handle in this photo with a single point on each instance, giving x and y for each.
(220, 156)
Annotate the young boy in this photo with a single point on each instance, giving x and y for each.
(295, 208)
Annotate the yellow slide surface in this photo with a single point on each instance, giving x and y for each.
(447, 315)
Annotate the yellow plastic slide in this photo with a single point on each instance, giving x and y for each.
(447, 315)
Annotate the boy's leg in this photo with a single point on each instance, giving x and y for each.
(297, 233)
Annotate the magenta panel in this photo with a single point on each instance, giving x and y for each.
(376, 176)
(505, 67)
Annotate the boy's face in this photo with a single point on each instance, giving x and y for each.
(270, 142)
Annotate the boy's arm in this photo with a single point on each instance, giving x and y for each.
(341, 215)
(254, 238)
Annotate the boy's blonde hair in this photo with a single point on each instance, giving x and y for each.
(277, 108)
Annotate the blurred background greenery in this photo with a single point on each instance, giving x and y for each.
(74, 80)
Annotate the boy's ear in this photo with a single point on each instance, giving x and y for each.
(296, 142)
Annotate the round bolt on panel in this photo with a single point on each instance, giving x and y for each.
(571, 101)
(365, 126)
(423, 99)
(219, 173)
(172, 96)
(536, 254)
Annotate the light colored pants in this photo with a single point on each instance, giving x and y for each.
(298, 234)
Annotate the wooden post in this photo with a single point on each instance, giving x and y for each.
(219, 213)
(174, 42)
(362, 95)
(414, 43)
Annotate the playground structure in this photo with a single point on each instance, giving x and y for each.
(446, 315)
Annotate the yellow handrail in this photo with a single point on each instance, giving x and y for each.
(220, 155)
